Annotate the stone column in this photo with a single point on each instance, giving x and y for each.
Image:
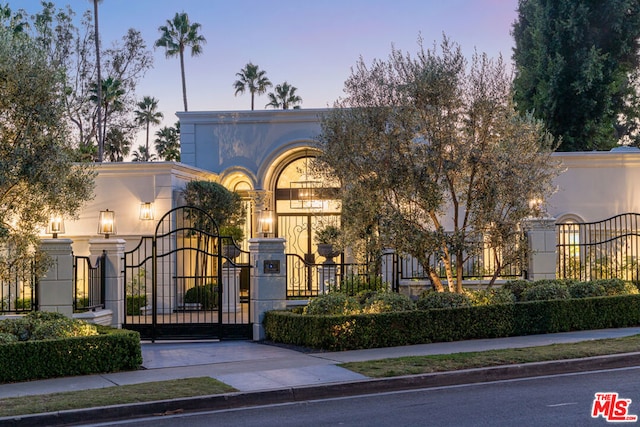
(230, 289)
(55, 288)
(268, 280)
(542, 241)
(114, 277)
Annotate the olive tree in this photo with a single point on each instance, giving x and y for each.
(434, 160)
(37, 176)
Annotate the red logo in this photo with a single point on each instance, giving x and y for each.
(612, 408)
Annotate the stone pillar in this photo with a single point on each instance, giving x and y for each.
(114, 277)
(542, 241)
(55, 288)
(230, 289)
(388, 267)
(268, 280)
(327, 277)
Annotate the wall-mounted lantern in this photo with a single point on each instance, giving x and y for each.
(146, 211)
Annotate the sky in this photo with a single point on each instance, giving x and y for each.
(310, 44)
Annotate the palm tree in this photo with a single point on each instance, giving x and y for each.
(116, 145)
(253, 80)
(111, 92)
(168, 144)
(148, 114)
(99, 79)
(284, 97)
(142, 154)
(176, 36)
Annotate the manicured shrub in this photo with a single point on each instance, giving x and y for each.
(490, 296)
(517, 287)
(586, 290)
(617, 287)
(333, 303)
(205, 295)
(7, 338)
(431, 299)
(386, 302)
(546, 291)
(135, 304)
(45, 326)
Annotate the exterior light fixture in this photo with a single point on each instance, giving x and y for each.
(146, 211)
(265, 223)
(107, 223)
(55, 226)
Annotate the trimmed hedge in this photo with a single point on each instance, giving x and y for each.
(348, 332)
(110, 351)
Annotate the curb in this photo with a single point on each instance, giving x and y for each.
(296, 394)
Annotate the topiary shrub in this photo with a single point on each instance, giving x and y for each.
(517, 287)
(613, 287)
(386, 302)
(430, 299)
(546, 291)
(7, 338)
(586, 290)
(205, 295)
(45, 326)
(490, 296)
(333, 303)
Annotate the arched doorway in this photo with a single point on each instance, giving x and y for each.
(303, 204)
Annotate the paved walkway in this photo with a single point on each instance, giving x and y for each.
(250, 366)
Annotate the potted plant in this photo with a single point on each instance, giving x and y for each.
(328, 239)
(231, 235)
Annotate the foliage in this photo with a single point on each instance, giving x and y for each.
(430, 299)
(328, 235)
(385, 302)
(517, 287)
(167, 143)
(110, 350)
(491, 296)
(72, 49)
(284, 97)
(205, 295)
(546, 291)
(586, 290)
(252, 79)
(135, 303)
(440, 157)
(356, 284)
(146, 115)
(45, 326)
(224, 206)
(355, 331)
(178, 35)
(37, 175)
(333, 303)
(575, 65)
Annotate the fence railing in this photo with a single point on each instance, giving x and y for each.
(305, 280)
(89, 283)
(600, 250)
(18, 292)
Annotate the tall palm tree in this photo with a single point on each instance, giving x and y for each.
(168, 144)
(176, 36)
(284, 97)
(111, 93)
(253, 80)
(98, 79)
(148, 114)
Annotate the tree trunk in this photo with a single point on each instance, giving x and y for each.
(184, 81)
(99, 83)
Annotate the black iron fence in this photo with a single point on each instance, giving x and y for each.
(89, 283)
(18, 290)
(599, 250)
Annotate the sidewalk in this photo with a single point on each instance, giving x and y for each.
(257, 368)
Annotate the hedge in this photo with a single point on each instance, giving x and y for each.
(113, 350)
(348, 332)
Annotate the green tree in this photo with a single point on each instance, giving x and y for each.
(284, 97)
(142, 154)
(167, 143)
(176, 36)
(117, 145)
(111, 93)
(252, 79)
(37, 175)
(147, 114)
(574, 63)
(440, 155)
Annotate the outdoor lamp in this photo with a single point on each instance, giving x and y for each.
(107, 223)
(146, 211)
(55, 226)
(265, 222)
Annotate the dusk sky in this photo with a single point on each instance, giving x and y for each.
(310, 44)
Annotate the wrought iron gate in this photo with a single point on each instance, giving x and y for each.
(187, 282)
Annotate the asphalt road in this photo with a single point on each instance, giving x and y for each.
(559, 400)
